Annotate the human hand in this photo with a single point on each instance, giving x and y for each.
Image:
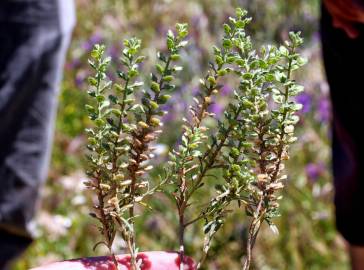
(154, 260)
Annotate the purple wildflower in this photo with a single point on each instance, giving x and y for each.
(314, 171)
(217, 109)
(324, 110)
(81, 77)
(113, 52)
(73, 64)
(195, 91)
(171, 115)
(306, 100)
(226, 90)
(111, 75)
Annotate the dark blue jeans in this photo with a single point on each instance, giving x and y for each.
(343, 60)
(34, 36)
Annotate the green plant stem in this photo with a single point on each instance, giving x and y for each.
(202, 260)
(120, 121)
(212, 154)
(115, 261)
(185, 195)
(100, 196)
(260, 212)
(134, 167)
(131, 240)
(253, 232)
(181, 241)
(281, 146)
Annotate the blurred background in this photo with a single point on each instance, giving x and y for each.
(307, 238)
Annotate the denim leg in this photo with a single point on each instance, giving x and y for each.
(31, 62)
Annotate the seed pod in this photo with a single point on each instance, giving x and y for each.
(153, 105)
(155, 121)
(139, 173)
(138, 143)
(222, 72)
(92, 140)
(138, 199)
(143, 124)
(211, 80)
(126, 183)
(203, 129)
(149, 138)
(155, 87)
(99, 122)
(113, 201)
(148, 168)
(208, 100)
(119, 177)
(275, 186)
(262, 177)
(142, 184)
(105, 187)
(285, 155)
(163, 99)
(132, 161)
(119, 88)
(168, 78)
(175, 57)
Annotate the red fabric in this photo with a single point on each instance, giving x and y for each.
(346, 15)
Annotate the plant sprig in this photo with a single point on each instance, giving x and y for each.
(190, 163)
(124, 128)
(248, 147)
(251, 138)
